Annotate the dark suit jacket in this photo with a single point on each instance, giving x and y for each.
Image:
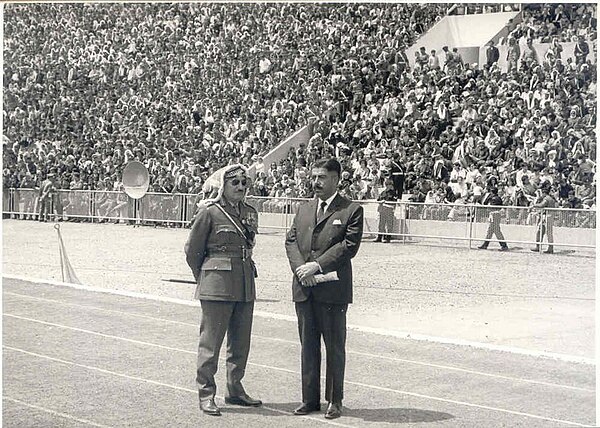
(492, 54)
(332, 242)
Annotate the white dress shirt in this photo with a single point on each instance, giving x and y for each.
(327, 202)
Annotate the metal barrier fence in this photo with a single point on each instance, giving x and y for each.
(405, 221)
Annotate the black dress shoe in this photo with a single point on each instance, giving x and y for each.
(334, 410)
(482, 248)
(306, 408)
(209, 407)
(503, 249)
(243, 400)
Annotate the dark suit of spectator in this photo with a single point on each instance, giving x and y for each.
(582, 50)
(492, 54)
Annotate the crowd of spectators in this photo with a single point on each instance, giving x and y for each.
(563, 22)
(188, 88)
(460, 129)
(185, 86)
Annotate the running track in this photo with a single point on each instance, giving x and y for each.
(77, 358)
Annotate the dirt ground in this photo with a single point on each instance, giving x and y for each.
(515, 299)
(74, 358)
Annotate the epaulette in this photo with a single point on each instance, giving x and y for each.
(206, 203)
(247, 205)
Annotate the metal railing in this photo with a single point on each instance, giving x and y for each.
(405, 221)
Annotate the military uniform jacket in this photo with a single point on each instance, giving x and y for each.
(547, 202)
(220, 258)
(47, 189)
(389, 196)
(332, 242)
(494, 213)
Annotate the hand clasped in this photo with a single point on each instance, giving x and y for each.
(306, 273)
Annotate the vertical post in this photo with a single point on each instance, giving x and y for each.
(541, 225)
(403, 221)
(92, 205)
(11, 199)
(472, 219)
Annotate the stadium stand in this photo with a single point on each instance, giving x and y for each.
(188, 88)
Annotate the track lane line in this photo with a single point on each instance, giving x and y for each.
(364, 329)
(162, 384)
(297, 343)
(348, 382)
(54, 412)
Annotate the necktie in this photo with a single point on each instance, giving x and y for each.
(321, 211)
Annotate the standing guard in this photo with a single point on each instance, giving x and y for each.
(47, 197)
(494, 220)
(545, 220)
(385, 209)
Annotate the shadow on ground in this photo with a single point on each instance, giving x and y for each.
(395, 415)
(392, 415)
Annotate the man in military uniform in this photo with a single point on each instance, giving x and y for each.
(219, 252)
(47, 196)
(494, 219)
(397, 175)
(545, 220)
(386, 211)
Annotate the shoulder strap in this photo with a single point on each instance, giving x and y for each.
(237, 228)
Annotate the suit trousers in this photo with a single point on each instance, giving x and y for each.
(316, 319)
(218, 318)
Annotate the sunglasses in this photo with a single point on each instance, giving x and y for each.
(236, 182)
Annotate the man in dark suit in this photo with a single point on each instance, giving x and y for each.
(492, 54)
(324, 237)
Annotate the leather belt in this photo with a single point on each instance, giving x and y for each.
(224, 251)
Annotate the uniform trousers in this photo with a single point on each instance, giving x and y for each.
(316, 319)
(545, 226)
(218, 318)
(386, 222)
(494, 229)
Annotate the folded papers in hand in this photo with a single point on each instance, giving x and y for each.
(326, 277)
